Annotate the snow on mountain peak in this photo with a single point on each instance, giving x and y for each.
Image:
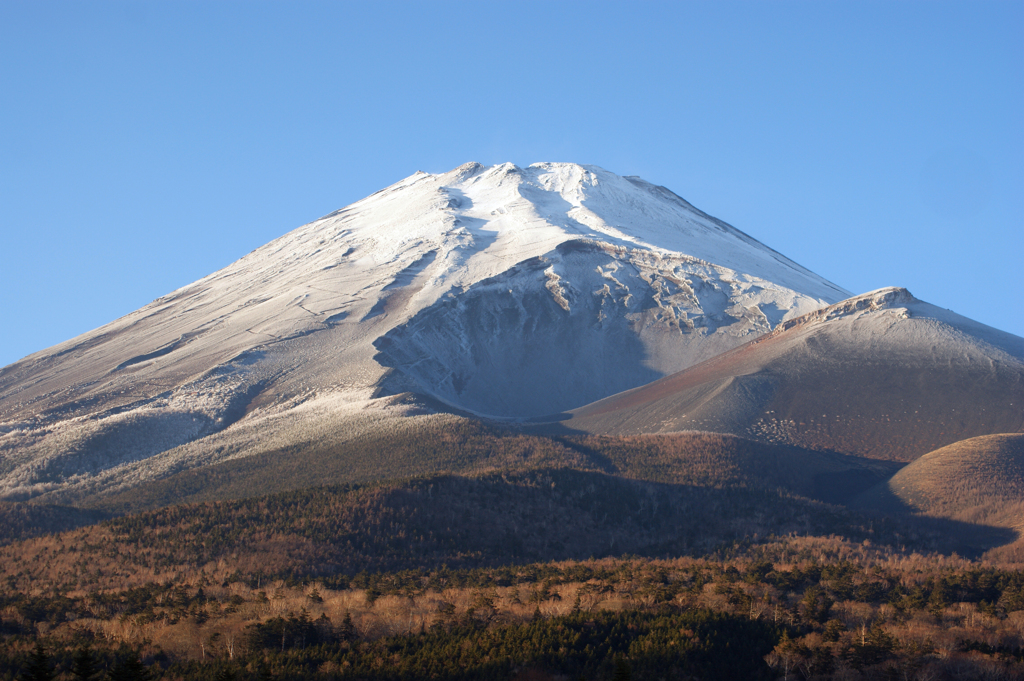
(503, 290)
(888, 298)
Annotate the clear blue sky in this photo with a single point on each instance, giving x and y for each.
(144, 145)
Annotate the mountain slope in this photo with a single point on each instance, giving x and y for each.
(505, 291)
(979, 480)
(420, 446)
(882, 375)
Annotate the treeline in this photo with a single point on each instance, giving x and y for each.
(672, 619)
(605, 645)
(995, 592)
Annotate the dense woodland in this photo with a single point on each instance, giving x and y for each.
(535, 557)
(907, 617)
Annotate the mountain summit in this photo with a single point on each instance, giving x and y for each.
(503, 291)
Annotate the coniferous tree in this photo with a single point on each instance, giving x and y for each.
(84, 666)
(226, 674)
(38, 667)
(129, 668)
(347, 630)
(263, 672)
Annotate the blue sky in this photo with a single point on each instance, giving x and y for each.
(144, 145)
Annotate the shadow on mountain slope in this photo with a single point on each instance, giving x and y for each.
(468, 521)
(979, 481)
(518, 344)
(24, 521)
(462, 492)
(444, 444)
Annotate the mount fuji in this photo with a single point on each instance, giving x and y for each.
(500, 291)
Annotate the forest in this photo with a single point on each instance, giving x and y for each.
(693, 556)
(792, 609)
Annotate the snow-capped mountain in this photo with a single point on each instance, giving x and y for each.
(505, 291)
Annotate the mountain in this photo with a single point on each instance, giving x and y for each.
(881, 375)
(978, 480)
(503, 291)
(503, 404)
(977, 483)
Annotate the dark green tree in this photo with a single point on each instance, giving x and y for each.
(84, 666)
(129, 668)
(38, 667)
(816, 604)
(263, 672)
(833, 630)
(226, 674)
(347, 630)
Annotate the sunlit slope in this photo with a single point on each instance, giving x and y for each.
(490, 519)
(882, 375)
(979, 480)
(487, 518)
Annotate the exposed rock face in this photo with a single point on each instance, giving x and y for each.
(585, 321)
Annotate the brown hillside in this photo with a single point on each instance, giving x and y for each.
(883, 376)
(980, 480)
(465, 522)
(440, 446)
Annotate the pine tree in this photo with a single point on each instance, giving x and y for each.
(129, 668)
(263, 672)
(226, 674)
(38, 668)
(84, 666)
(347, 630)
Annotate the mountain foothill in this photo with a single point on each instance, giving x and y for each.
(504, 369)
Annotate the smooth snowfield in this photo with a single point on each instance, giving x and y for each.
(500, 290)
